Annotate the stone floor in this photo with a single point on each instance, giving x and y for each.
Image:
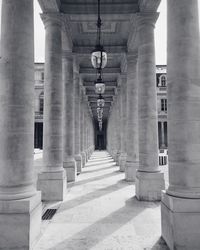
(100, 212)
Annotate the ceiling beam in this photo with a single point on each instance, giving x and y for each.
(127, 7)
(92, 71)
(108, 84)
(94, 99)
(106, 93)
(77, 18)
(115, 50)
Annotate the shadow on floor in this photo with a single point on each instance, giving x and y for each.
(89, 180)
(101, 229)
(98, 163)
(111, 165)
(91, 196)
(101, 159)
(160, 245)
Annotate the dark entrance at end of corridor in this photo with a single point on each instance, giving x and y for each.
(100, 136)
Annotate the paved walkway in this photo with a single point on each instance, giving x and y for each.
(101, 212)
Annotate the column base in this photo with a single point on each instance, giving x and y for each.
(149, 186)
(53, 185)
(180, 220)
(71, 170)
(122, 162)
(20, 222)
(83, 155)
(130, 170)
(79, 164)
(118, 158)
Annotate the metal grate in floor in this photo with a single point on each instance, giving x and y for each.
(48, 215)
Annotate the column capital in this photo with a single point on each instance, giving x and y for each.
(147, 19)
(123, 77)
(52, 19)
(68, 55)
(132, 57)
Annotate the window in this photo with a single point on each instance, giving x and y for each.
(41, 103)
(163, 104)
(42, 76)
(162, 81)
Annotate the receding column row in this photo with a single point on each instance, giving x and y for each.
(135, 120)
(20, 202)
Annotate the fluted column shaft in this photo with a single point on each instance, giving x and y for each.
(149, 180)
(123, 121)
(69, 162)
(118, 125)
(18, 195)
(77, 138)
(53, 113)
(53, 94)
(181, 203)
(132, 118)
(82, 126)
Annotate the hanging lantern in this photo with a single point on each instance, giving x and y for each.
(100, 101)
(99, 86)
(99, 55)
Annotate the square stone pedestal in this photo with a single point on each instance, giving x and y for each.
(20, 222)
(79, 164)
(180, 221)
(53, 185)
(83, 156)
(71, 170)
(122, 162)
(149, 186)
(130, 170)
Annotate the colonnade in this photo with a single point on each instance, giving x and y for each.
(138, 117)
(68, 126)
(180, 203)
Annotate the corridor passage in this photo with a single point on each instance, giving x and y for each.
(101, 212)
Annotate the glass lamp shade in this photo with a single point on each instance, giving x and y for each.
(99, 88)
(99, 119)
(100, 116)
(99, 58)
(99, 110)
(100, 102)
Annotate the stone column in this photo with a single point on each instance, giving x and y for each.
(180, 207)
(20, 202)
(118, 125)
(52, 181)
(123, 155)
(85, 131)
(82, 125)
(132, 160)
(149, 179)
(78, 157)
(69, 162)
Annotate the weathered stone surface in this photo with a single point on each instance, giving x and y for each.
(69, 162)
(53, 112)
(132, 118)
(20, 203)
(181, 203)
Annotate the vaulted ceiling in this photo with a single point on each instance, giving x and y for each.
(118, 36)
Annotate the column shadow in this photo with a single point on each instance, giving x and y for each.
(91, 196)
(111, 165)
(101, 229)
(92, 179)
(160, 245)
